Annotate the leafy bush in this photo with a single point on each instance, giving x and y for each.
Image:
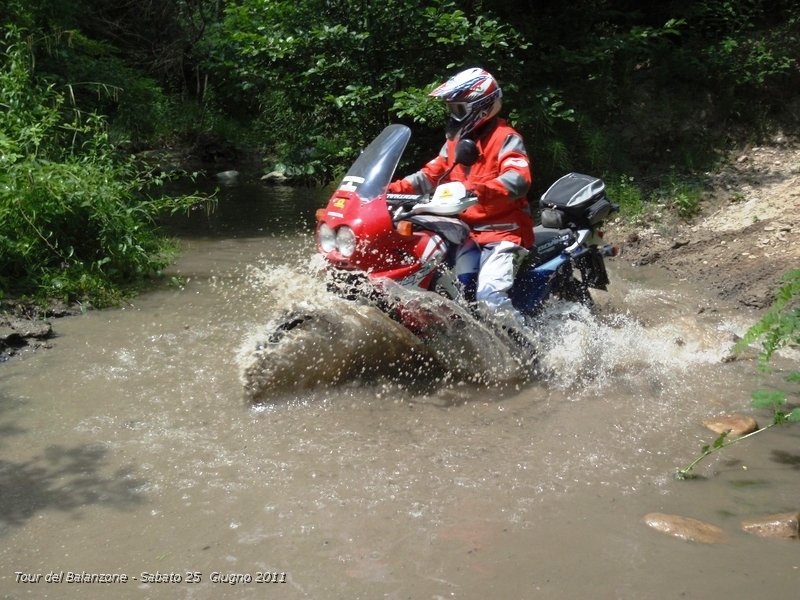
(627, 194)
(75, 223)
(339, 72)
(780, 326)
(681, 194)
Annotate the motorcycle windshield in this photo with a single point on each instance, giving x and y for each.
(373, 170)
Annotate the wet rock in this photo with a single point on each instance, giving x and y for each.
(649, 258)
(780, 525)
(58, 309)
(228, 177)
(275, 177)
(685, 528)
(739, 355)
(16, 333)
(27, 328)
(735, 425)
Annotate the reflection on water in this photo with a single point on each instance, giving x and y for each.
(132, 447)
(247, 207)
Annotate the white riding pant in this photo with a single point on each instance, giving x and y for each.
(496, 265)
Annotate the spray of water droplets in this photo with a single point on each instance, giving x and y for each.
(578, 346)
(305, 337)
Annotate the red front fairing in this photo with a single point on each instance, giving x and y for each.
(360, 204)
(380, 251)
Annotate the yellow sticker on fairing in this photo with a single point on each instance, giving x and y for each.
(339, 202)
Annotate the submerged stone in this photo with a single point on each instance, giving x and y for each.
(228, 174)
(228, 177)
(779, 525)
(685, 528)
(276, 177)
(735, 425)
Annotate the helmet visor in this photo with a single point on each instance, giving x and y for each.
(459, 110)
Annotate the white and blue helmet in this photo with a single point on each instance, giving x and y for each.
(473, 98)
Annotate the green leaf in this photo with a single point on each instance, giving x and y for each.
(768, 399)
(794, 416)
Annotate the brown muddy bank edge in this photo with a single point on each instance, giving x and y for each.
(746, 236)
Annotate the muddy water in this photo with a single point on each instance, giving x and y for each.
(130, 448)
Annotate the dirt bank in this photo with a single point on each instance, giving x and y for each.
(746, 235)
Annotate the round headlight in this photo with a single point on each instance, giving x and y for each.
(327, 239)
(345, 240)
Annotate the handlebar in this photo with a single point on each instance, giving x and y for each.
(403, 199)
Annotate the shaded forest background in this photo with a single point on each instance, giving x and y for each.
(630, 91)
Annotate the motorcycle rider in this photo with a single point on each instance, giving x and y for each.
(501, 226)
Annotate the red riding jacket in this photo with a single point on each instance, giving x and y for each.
(501, 178)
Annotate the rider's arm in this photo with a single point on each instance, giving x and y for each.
(513, 178)
(424, 180)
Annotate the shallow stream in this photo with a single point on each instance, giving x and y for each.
(130, 447)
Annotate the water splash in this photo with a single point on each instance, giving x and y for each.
(307, 337)
(579, 346)
(476, 349)
(316, 345)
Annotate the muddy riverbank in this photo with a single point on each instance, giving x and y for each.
(747, 234)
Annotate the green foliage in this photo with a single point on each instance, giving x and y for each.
(762, 399)
(634, 89)
(317, 163)
(681, 194)
(779, 327)
(553, 106)
(416, 104)
(627, 194)
(74, 221)
(343, 70)
(686, 199)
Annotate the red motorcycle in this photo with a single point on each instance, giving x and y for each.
(372, 240)
(391, 255)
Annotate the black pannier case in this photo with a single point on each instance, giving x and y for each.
(582, 199)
